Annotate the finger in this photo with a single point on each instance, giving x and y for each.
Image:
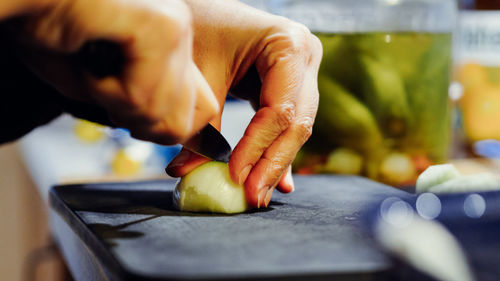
(157, 44)
(208, 108)
(266, 125)
(162, 74)
(280, 154)
(286, 185)
(296, 70)
(283, 78)
(179, 114)
(280, 87)
(156, 80)
(171, 130)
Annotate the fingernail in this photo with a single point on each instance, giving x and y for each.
(269, 194)
(262, 197)
(244, 174)
(180, 160)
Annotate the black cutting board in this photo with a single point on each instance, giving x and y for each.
(315, 232)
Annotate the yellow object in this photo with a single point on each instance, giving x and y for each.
(471, 75)
(88, 131)
(209, 188)
(398, 169)
(123, 165)
(344, 161)
(480, 103)
(481, 112)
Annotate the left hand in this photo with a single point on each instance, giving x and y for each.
(159, 95)
(233, 40)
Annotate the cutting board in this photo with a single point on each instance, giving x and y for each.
(316, 232)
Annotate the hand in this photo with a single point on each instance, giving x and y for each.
(239, 48)
(161, 95)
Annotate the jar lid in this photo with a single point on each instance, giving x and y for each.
(348, 16)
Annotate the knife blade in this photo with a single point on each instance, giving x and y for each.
(209, 142)
(103, 58)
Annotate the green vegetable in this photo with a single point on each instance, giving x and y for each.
(338, 56)
(383, 91)
(369, 75)
(428, 97)
(343, 120)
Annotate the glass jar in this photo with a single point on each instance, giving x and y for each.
(384, 111)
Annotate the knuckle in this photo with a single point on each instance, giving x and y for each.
(316, 50)
(303, 129)
(176, 26)
(276, 165)
(284, 115)
(296, 40)
(300, 37)
(316, 43)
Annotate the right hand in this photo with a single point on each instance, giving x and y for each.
(161, 95)
(271, 61)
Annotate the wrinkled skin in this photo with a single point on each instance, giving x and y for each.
(183, 57)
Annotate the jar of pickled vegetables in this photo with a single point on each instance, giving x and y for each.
(384, 110)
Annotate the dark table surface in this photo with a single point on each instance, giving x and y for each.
(131, 231)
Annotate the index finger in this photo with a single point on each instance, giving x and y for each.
(288, 66)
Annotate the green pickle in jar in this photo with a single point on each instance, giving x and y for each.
(384, 111)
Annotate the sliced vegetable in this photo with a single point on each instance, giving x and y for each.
(435, 175)
(467, 183)
(445, 178)
(209, 188)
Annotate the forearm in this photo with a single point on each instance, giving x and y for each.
(11, 8)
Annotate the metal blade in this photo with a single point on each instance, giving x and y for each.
(210, 143)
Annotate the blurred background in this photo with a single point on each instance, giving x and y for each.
(404, 84)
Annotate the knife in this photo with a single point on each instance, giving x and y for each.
(210, 143)
(102, 58)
